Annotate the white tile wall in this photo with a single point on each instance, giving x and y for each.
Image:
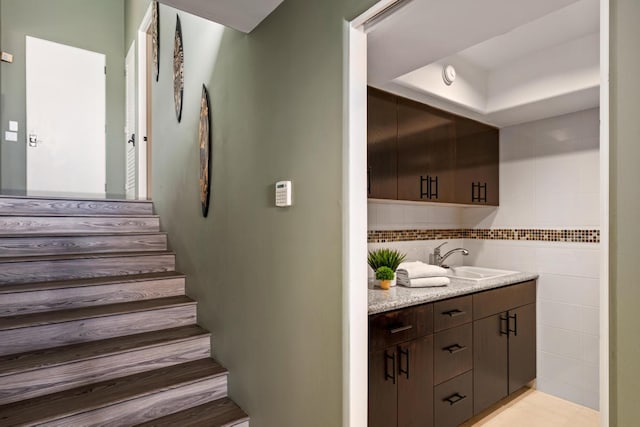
(549, 178)
(409, 215)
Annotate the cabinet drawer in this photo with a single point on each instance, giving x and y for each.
(453, 401)
(398, 326)
(499, 300)
(453, 352)
(452, 312)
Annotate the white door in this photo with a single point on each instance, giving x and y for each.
(130, 127)
(66, 109)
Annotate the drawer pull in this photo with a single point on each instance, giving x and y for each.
(400, 329)
(455, 348)
(455, 398)
(453, 313)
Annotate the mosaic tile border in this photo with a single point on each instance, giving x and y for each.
(531, 234)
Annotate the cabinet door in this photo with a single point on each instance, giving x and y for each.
(522, 346)
(415, 383)
(426, 153)
(477, 159)
(490, 369)
(383, 388)
(382, 135)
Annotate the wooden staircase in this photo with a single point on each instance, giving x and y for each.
(95, 326)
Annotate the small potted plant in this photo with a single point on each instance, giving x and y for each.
(385, 275)
(385, 257)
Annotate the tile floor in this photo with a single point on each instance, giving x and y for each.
(532, 408)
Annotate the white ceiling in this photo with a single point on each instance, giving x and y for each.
(517, 60)
(242, 15)
(569, 23)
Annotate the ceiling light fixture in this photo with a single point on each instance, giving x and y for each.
(448, 74)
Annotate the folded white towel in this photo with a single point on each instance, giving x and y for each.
(418, 270)
(425, 282)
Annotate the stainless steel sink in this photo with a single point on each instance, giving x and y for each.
(477, 274)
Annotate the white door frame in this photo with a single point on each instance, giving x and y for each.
(604, 213)
(141, 143)
(355, 306)
(131, 134)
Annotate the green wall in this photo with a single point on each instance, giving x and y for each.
(268, 281)
(134, 11)
(96, 25)
(624, 213)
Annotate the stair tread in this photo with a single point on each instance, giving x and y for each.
(107, 393)
(94, 281)
(82, 234)
(72, 199)
(61, 316)
(73, 353)
(89, 255)
(76, 215)
(218, 413)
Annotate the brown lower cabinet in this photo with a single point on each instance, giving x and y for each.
(439, 364)
(401, 385)
(504, 358)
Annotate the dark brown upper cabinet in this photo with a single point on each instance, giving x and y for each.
(382, 137)
(419, 153)
(477, 163)
(426, 153)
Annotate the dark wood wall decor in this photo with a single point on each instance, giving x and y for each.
(205, 150)
(155, 38)
(178, 69)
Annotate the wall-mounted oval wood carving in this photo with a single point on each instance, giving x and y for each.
(205, 151)
(155, 38)
(178, 69)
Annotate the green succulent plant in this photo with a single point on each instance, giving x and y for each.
(384, 273)
(385, 257)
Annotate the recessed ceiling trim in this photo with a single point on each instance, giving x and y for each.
(386, 12)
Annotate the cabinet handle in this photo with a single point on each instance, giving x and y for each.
(368, 180)
(515, 325)
(477, 194)
(433, 194)
(455, 348)
(404, 353)
(391, 358)
(453, 313)
(506, 320)
(424, 193)
(400, 329)
(455, 398)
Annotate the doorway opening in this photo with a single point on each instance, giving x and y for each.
(486, 45)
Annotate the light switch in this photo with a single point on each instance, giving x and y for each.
(13, 126)
(11, 136)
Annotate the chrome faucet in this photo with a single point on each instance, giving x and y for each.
(436, 259)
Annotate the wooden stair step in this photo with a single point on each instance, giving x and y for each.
(63, 295)
(11, 205)
(15, 270)
(64, 327)
(25, 245)
(124, 401)
(219, 413)
(54, 224)
(32, 374)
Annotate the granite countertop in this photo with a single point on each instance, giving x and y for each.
(399, 296)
